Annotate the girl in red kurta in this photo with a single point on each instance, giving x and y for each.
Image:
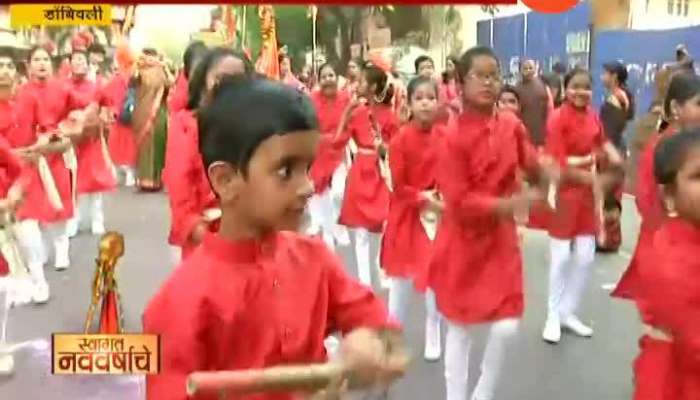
(413, 210)
(671, 289)
(95, 171)
(42, 104)
(256, 294)
(653, 365)
(194, 209)
(369, 126)
(476, 268)
(575, 139)
(328, 171)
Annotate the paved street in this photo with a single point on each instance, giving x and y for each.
(577, 369)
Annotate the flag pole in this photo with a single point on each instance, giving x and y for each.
(314, 11)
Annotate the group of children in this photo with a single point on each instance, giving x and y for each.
(444, 191)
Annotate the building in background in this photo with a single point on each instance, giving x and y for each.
(664, 14)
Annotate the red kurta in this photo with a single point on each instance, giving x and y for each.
(10, 165)
(654, 365)
(95, 170)
(366, 199)
(253, 304)
(40, 107)
(476, 269)
(406, 248)
(328, 157)
(122, 141)
(179, 95)
(189, 191)
(573, 133)
(674, 300)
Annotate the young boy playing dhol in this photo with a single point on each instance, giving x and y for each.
(256, 294)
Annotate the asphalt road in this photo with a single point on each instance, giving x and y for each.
(577, 369)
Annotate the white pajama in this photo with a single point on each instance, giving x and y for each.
(90, 209)
(458, 347)
(31, 237)
(566, 288)
(365, 261)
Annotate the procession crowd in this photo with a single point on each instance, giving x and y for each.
(445, 172)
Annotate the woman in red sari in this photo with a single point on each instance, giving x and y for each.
(672, 288)
(95, 171)
(194, 209)
(179, 96)
(367, 127)
(476, 267)
(575, 139)
(44, 103)
(328, 171)
(651, 369)
(414, 208)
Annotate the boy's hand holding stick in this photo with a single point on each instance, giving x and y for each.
(369, 358)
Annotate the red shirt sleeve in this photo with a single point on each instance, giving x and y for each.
(397, 165)
(351, 304)
(527, 155)
(179, 163)
(647, 190)
(341, 140)
(390, 128)
(459, 183)
(179, 316)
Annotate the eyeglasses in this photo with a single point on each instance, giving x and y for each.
(486, 79)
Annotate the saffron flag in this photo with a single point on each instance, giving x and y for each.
(268, 61)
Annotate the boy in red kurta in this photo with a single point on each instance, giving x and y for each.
(476, 268)
(413, 209)
(95, 171)
(653, 365)
(256, 278)
(370, 125)
(328, 171)
(672, 288)
(194, 208)
(575, 139)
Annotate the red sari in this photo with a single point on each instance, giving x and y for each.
(40, 108)
(406, 247)
(673, 295)
(189, 191)
(366, 200)
(328, 157)
(476, 268)
(653, 366)
(122, 141)
(574, 133)
(95, 170)
(179, 95)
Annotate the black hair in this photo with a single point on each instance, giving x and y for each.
(576, 71)
(198, 81)
(620, 71)
(150, 51)
(559, 68)
(671, 153)
(97, 49)
(8, 52)
(77, 52)
(34, 49)
(683, 87)
(417, 81)
(467, 60)
(421, 59)
(376, 76)
(195, 50)
(326, 65)
(510, 89)
(455, 61)
(244, 113)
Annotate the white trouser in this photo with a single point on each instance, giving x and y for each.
(90, 208)
(129, 175)
(566, 288)
(458, 347)
(362, 255)
(322, 216)
(400, 293)
(31, 238)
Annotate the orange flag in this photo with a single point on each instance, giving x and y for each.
(268, 61)
(230, 22)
